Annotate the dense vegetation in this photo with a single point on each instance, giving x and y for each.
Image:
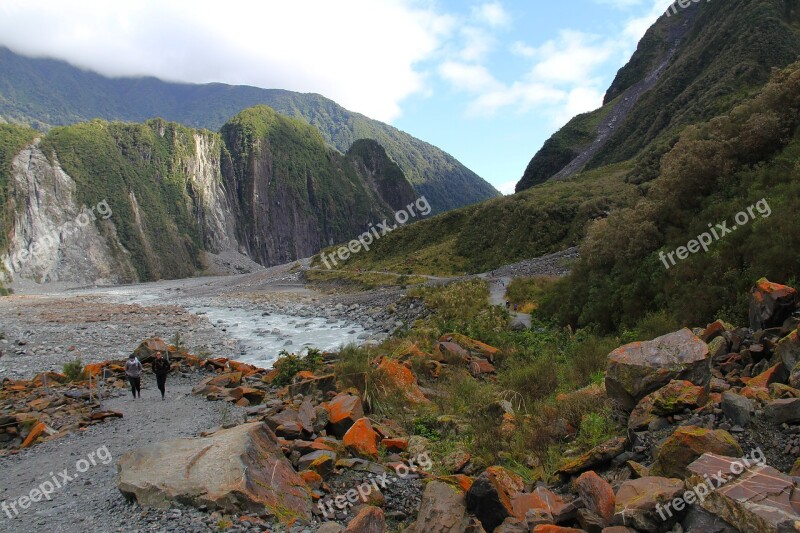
(45, 93)
(529, 224)
(726, 51)
(139, 170)
(716, 169)
(538, 373)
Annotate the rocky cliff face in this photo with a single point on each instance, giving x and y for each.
(111, 203)
(54, 238)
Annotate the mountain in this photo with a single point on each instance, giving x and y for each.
(688, 67)
(45, 92)
(119, 202)
(699, 126)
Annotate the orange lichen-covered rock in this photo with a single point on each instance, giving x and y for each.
(775, 374)
(490, 497)
(402, 379)
(343, 411)
(686, 444)
(597, 495)
(361, 439)
(395, 445)
(771, 304)
(471, 345)
(37, 431)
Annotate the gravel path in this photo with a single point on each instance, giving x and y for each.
(91, 502)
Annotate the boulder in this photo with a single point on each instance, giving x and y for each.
(794, 378)
(39, 429)
(443, 510)
(549, 528)
(361, 439)
(771, 304)
(783, 411)
(640, 503)
(686, 444)
(490, 496)
(147, 349)
(597, 495)
(512, 525)
(754, 496)
(678, 395)
(343, 411)
(637, 369)
(450, 352)
(238, 470)
(368, 520)
(737, 408)
(775, 374)
(698, 520)
(596, 457)
(673, 398)
(397, 377)
(471, 345)
(788, 351)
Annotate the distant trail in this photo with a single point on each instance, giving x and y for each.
(497, 296)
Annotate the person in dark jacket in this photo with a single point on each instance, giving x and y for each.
(161, 368)
(133, 371)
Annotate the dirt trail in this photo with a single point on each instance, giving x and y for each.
(91, 502)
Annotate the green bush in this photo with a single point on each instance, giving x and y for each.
(290, 364)
(73, 369)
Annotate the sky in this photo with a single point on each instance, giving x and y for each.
(486, 80)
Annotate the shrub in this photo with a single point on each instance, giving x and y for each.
(73, 369)
(290, 364)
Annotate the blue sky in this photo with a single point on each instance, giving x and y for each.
(486, 80)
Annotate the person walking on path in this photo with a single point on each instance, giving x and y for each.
(161, 368)
(133, 370)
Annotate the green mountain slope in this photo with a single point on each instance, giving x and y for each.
(721, 145)
(267, 185)
(687, 68)
(46, 92)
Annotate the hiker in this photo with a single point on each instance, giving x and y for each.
(161, 368)
(508, 304)
(133, 370)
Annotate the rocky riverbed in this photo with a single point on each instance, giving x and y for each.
(249, 317)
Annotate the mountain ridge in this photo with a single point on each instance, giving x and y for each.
(46, 92)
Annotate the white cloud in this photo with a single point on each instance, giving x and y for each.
(563, 78)
(570, 57)
(507, 187)
(477, 43)
(364, 54)
(518, 48)
(468, 77)
(492, 13)
(619, 4)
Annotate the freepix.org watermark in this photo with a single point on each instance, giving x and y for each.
(699, 492)
(56, 481)
(46, 242)
(363, 491)
(375, 232)
(683, 4)
(715, 233)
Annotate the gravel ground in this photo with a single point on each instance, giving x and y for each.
(91, 502)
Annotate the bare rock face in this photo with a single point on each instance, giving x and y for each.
(637, 369)
(752, 495)
(239, 470)
(55, 239)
